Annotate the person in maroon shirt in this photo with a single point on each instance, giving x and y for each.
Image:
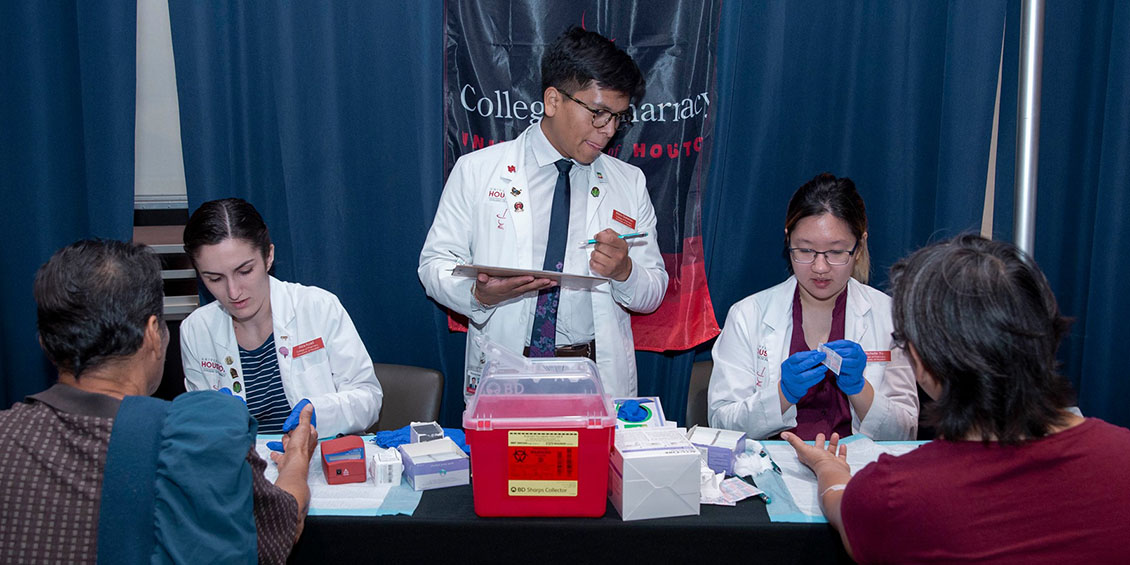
(1014, 475)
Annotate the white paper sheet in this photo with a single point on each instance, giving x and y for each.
(801, 481)
(326, 498)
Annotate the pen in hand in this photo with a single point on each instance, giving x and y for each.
(622, 236)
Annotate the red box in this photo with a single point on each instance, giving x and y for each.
(540, 448)
(343, 460)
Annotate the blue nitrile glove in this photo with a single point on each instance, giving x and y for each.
(458, 437)
(401, 436)
(850, 379)
(799, 372)
(630, 411)
(228, 392)
(393, 438)
(292, 422)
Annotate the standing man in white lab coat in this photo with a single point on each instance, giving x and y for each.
(531, 202)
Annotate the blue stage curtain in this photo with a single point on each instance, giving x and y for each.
(328, 117)
(1083, 188)
(897, 96)
(67, 83)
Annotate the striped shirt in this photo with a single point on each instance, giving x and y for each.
(265, 397)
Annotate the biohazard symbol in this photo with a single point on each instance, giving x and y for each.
(520, 455)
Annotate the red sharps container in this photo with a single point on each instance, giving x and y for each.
(540, 432)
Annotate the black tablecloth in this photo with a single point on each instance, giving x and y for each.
(445, 529)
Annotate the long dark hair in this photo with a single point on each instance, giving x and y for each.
(826, 194)
(218, 220)
(985, 324)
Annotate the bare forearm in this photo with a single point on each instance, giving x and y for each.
(785, 404)
(861, 402)
(293, 481)
(830, 486)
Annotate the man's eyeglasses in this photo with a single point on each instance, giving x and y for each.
(600, 118)
(835, 257)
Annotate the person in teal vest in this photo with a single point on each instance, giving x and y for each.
(94, 470)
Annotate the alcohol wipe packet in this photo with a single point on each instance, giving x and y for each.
(832, 360)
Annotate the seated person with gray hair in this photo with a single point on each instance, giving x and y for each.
(1014, 476)
(93, 470)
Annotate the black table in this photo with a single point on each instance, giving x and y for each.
(445, 529)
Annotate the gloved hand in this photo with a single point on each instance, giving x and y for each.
(227, 391)
(292, 422)
(850, 379)
(799, 372)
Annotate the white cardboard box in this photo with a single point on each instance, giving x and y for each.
(654, 473)
(435, 464)
(721, 447)
(386, 466)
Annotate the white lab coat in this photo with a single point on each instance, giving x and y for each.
(338, 378)
(477, 222)
(744, 394)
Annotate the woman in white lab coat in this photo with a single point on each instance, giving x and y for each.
(270, 342)
(769, 375)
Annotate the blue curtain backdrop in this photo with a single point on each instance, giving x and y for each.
(329, 119)
(67, 82)
(1083, 195)
(897, 96)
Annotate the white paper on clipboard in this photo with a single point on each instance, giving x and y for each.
(565, 280)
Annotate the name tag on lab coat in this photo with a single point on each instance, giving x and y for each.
(308, 347)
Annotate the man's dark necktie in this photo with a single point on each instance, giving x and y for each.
(543, 339)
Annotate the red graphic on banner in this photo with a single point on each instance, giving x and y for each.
(686, 317)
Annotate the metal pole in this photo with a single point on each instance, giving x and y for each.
(1028, 122)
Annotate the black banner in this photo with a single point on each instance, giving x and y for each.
(492, 61)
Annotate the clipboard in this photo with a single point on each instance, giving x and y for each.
(564, 280)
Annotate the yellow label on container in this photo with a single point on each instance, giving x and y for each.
(519, 438)
(543, 488)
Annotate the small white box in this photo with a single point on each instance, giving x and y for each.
(720, 446)
(419, 432)
(654, 473)
(386, 466)
(435, 464)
